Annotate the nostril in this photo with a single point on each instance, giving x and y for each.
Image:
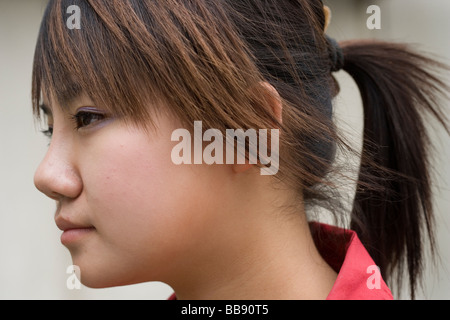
(55, 196)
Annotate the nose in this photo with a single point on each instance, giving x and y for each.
(57, 176)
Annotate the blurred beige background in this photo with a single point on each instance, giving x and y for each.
(33, 263)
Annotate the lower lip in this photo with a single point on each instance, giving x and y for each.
(73, 235)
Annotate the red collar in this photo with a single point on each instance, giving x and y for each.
(358, 277)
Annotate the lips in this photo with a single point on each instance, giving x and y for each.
(65, 225)
(72, 231)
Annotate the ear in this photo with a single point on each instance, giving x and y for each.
(273, 98)
(327, 12)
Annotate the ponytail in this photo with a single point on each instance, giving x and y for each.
(398, 87)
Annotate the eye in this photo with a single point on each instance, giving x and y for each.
(86, 118)
(47, 122)
(48, 133)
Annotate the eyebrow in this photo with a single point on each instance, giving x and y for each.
(68, 96)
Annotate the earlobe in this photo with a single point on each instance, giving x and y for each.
(239, 168)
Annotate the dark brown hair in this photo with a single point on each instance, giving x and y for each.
(205, 58)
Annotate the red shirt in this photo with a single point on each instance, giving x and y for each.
(358, 276)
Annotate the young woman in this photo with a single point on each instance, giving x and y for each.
(117, 91)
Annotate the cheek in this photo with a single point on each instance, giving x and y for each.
(144, 207)
(134, 183)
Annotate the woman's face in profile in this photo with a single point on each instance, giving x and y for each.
(128, 213)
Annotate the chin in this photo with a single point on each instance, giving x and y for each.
(94, 275)
(100, 276)
(101, 281)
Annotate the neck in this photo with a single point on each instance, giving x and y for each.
(269, 254)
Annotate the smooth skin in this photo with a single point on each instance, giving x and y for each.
(209, 231)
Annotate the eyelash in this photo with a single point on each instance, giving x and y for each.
(77, 119)
(82, 115)
(48, 133)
